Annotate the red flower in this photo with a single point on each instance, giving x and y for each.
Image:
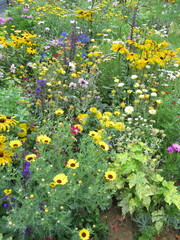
(174, 102)
(56, 55)
(115, 227)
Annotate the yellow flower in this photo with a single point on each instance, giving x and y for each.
(82, 118)
(60, 179)
(119, 126)
(80, 127)
(30, 50)
(2, 141)
(46, 210)
(44, 139)
(31, 196)
(72, 163)
(123, 105)
(30, 157)
(5, 157)
(84, 234)
(93, 110)
(116, 113)
(98, 114)
(23, 131)
(59, 111)
(15, 143)
(52, 184)
(4, 124)
(8, 191)
(110, 175)
(104, 146)
(109, 124)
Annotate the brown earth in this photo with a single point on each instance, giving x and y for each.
(121, 228)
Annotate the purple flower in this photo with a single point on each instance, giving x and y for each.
(37, 90)
(27, 164)
(2, 21)
(82, 82)
(5, 198)
(25, 9)
(42, 82)
(72, 85)
(54, 42)
(176, 147)
(170, 149)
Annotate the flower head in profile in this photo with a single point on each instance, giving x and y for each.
(60, 179)
(84, 234)
(110, 175)
(72, 163)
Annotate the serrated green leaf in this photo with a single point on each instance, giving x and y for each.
(135, 179)
(122, 158)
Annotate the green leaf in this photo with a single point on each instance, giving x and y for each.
(122, 158)
(137, 179)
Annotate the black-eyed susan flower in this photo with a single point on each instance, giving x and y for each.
(104, 146)
(7, 191)
(60, 179)
(110, 175)
(11, 120)
(72, 163)
(52, 184)
(30, 157)
(5, 157)
(15, 143)
(4, 125)
(84, 234)
(44, 139)
(59, 111)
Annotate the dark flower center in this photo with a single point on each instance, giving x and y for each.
(30, 158)
(59, 181)
(1, 154)
(110, 176)
(83, 234)
(102, 146)
(15, 145)
(73, 164)
(2, 120)
(8, 117)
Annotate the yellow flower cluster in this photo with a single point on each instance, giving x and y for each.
(85, 14)
(150, 52)
(106, 120)
(6, 122)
